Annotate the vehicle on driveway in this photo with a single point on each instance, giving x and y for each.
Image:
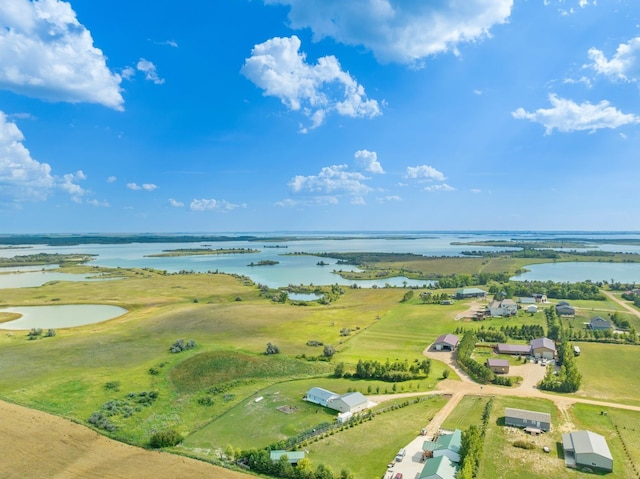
(398, 476)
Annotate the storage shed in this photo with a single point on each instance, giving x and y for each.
(586, 448)
(446, 342)
(350, 402)
(499, 366)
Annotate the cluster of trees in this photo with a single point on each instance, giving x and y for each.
(260, 461)
(181, 345)
(462, 280)
(396, 371)
(525, 332)
(605, 336)
(635, 297)
(35, 333)
(167, 438)
(272, 349)
(427, 297)
(568, 379)
(479, 372)
(580, 290)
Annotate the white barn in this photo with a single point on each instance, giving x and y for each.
(586, 448)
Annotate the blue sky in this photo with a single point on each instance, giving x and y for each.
(294, 115)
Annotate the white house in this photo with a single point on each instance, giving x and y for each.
(319, 396)
(506, 307)
(350, 402)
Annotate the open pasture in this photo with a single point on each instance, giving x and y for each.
(609, 372)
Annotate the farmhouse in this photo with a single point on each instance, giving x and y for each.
(531, 421)
(532, 308)
(292, 456)
(540, 298)
(499, 366)
(439, 468)
(586, 448)
(350, 402)
(470, 293)
(514, 349)
(445, 445)
(543, 348)
(506, 307)
(446, 342)
(319, 396)
(599, 324)
(565, 309)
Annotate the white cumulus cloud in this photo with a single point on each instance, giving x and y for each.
(404, 31)
(279, 68)
(568, 116)
(24, 178)
(441, 187)
(332, 180)
(623, 65)
(150, 71)
(388, 199)
(145, 186)
(46, 53)
(425, 172)
(368, 161)
(176, 203)
(212, 205)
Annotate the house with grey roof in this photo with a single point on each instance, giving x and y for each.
(565, 309)
(439, 468)
(504, 308)
(586, 448)
(498, 366)
(446, 342)
(319, 396)
(350, 402)
(543, 348)
(470, 293)
(531, 421)
(599, 324)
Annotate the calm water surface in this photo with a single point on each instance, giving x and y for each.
(60, 316)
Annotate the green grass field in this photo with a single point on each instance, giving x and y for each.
(80, 370)
(468, 412)
(366, 449)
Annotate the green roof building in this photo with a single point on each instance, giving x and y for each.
(439, 468)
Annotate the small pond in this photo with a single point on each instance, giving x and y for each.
(31, 279)
(304, 296)
(60, 316)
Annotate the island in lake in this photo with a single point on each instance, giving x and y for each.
(201, 251)
(265, 262)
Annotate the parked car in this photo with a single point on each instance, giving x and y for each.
(398, 476)
(400, 455)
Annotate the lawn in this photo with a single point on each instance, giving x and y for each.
(366, 449)
(606, 370)
(501, 460)
(468, 412)
(620, 428)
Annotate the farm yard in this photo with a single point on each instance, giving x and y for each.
(225, 395)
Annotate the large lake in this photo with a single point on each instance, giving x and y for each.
(60, 316)
(303, 269)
